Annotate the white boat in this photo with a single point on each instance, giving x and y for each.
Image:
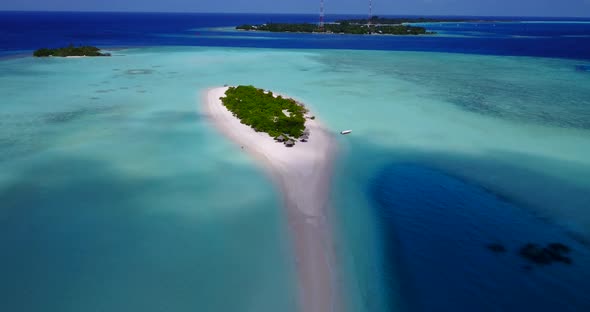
(345, 132)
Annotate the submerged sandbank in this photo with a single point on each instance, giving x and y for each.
(303, 173)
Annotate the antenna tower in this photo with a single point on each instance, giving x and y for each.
(370, 12)
(322, 14)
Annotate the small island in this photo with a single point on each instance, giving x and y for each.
(282, 118)
(70, 51)
(303, 173)
(375, 25)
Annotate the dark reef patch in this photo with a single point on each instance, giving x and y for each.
(139, 71)
(67, 116)
(104, 90)
(496, 247)
(554, 252)
(174, 117)
(536, 254)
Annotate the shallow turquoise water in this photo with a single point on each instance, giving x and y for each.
(116, 195)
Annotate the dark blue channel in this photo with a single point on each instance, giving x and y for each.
(435, 231)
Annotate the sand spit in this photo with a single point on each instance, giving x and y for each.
(303, 173)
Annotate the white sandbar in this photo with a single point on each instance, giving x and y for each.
(303, 173)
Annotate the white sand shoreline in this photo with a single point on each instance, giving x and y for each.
(303, 173)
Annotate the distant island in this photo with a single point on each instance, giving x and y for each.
(376, 25)
(282, 118)
(70, 50)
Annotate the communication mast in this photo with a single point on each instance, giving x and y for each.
(321, 14)
(370, 12)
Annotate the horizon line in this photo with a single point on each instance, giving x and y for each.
(292, 13)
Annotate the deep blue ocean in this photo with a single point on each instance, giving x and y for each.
(24, 31)
(443, 226)
(435, 228)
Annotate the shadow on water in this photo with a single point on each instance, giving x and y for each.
(78, 113)
(25, 134)
(80, 235)
(175, 117)
(28, 133)
(437, 219)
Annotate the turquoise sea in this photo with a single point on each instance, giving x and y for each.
(117, 195)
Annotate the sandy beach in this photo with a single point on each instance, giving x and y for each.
(303, 173)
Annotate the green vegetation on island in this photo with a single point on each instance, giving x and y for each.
(264, 112)
(70, 50)
(377, 25)
(339, 28)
